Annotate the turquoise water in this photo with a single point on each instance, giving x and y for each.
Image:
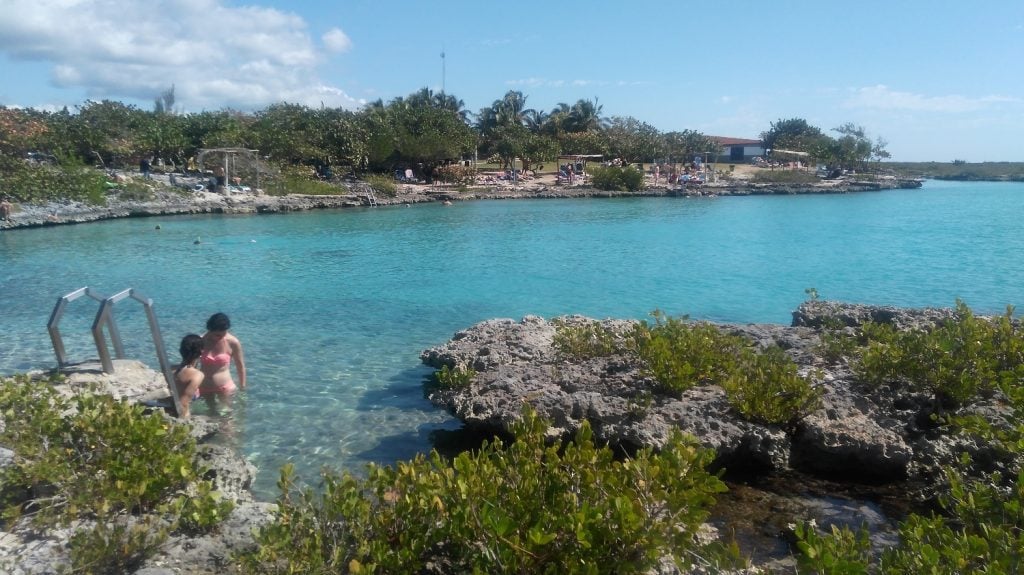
(334, 306)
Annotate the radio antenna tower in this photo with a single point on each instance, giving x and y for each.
(442, 69)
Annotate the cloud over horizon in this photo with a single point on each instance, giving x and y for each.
(215, 55)
(883, 98)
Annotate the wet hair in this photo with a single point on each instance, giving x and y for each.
(191, 348)
(218, 322)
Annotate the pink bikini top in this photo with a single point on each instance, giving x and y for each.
(215, 359)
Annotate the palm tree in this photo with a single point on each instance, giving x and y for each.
(585, 116)
(535, 120)
(508, 111)
(511, 108)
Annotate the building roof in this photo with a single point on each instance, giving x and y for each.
(727, 141)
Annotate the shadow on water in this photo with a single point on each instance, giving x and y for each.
(407, 390)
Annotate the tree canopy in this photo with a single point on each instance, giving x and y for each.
(422, 130)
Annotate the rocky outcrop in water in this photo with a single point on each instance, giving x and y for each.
(859, 433)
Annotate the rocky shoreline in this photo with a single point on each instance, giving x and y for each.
(861, 434)
(858, 437)
(177, 199)
(27, 551)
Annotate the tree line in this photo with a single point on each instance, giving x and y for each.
(423, 130)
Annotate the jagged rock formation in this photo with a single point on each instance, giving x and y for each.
(858, 433)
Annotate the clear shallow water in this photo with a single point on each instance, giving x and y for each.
(335, 306)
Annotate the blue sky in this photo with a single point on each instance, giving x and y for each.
(937, 80)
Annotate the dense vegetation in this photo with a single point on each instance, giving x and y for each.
(761, 385)
(122, 478)
(526, 505)
(44, 155)
(521, 507)
(980, 525)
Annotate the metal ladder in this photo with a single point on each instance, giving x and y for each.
(371, 197)
(105, 319)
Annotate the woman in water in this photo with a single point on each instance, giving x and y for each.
(187, 378)
(220, 349)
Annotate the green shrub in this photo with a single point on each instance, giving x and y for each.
(455, 174)
(37, 183)
(841, 552)
(587, 340)
(93, 456)
(200, 510)
(453, 378)
(382, 185)
(765, 387)
(298, 180)
(526, 507)
(113, 548)
(981, 530)
(956, 361)
(836, 343)
(617, 179)
(680, 355)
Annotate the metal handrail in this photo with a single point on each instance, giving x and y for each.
(105, 318)
(53, 325)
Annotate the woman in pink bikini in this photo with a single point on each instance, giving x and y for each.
(220, 348)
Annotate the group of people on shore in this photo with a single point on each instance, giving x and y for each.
(205, 368)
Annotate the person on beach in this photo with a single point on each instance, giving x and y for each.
(188, 377)
(220, 350)
(5, 210)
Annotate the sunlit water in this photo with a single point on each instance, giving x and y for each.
(334, 307)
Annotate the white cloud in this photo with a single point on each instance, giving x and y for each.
(216, 55)
(336, 41)
(883, 98)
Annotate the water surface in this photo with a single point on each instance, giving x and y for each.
(334, 306)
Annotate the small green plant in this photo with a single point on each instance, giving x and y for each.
(812, 294)
(382, 185)
(200, 510)
(93, 457)
(680, 355)
(842, 552)
(524, 507)
(835, 344)
(586, 340)
(454, 378)
(765, 387)
(640, 405)
(956, 362)
(113, 547)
